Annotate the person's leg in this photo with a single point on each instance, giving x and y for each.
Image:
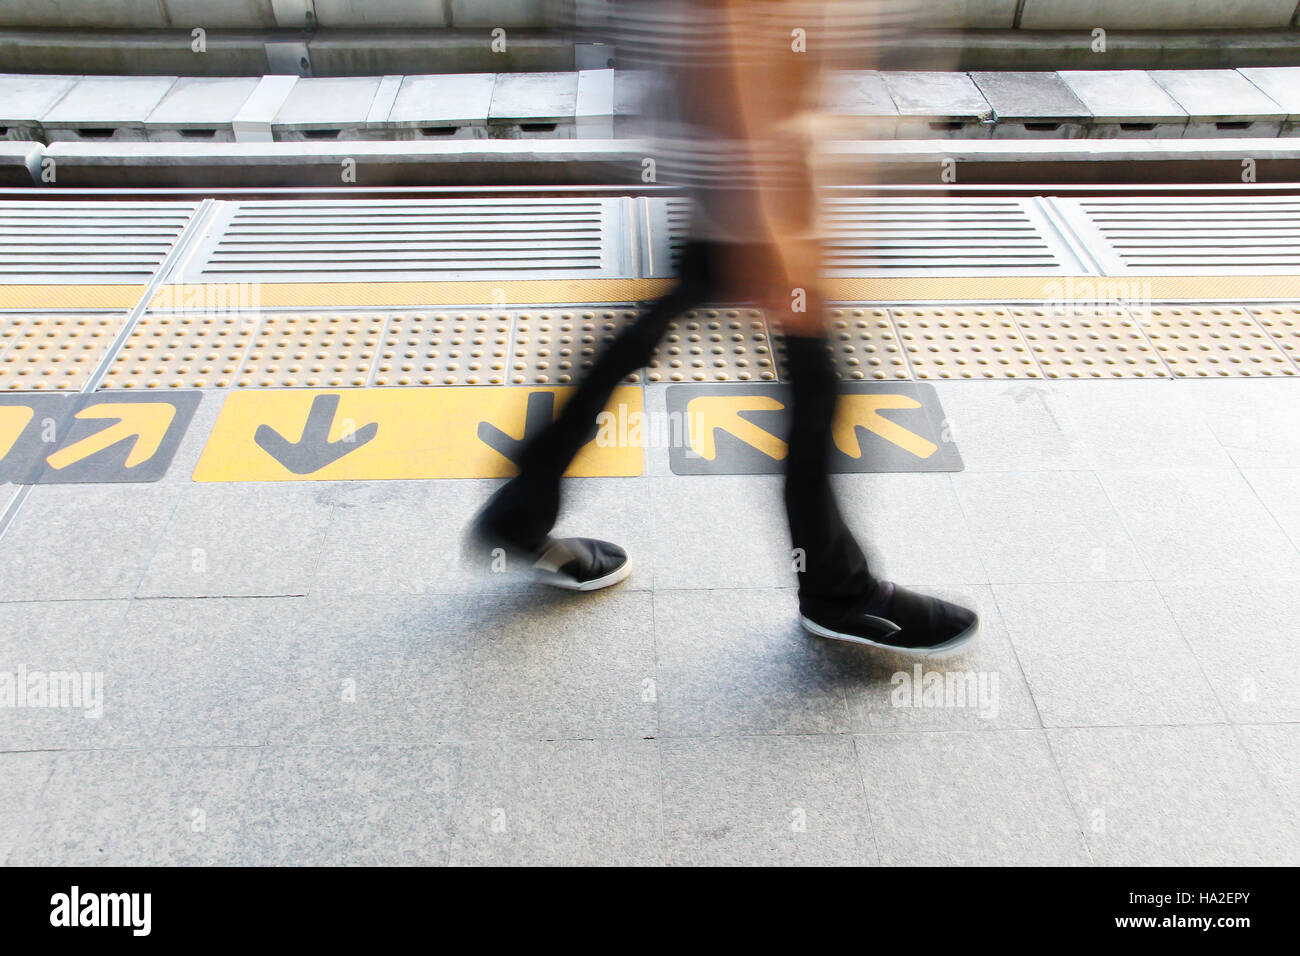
(838, 596)
(522, 513)
(832, 570)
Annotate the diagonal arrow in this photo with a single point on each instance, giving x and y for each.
(146, 422)
(712, 412)
(313, 451)
(538, 415)
(863, 411)
(13, 422)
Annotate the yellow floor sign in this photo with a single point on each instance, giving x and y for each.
(411, 433)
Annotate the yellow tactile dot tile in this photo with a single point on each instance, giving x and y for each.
(1088, 343)
(52, 352)
(1212, 341)
(319, 350)
(866, 345)
(973, 342)
(1282, 323)
(445, 348)
(554, 347)
(183, 351)
(715, 345)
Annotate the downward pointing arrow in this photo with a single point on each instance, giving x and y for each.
(539, 412)
(146, 422)
(863, 411)
(313, 451)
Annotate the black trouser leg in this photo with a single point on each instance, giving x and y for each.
(835, 574)
(523, 512)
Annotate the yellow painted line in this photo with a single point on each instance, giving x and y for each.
(534, 292)
(37, 297)
(394, 433)
(1063, 289)
(501, 295)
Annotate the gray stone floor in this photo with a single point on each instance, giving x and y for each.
(312, 673)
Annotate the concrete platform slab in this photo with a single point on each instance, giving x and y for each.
(1126, 104)
(1221, 102)
(925, 815)
(1167, 796)
(106, 108)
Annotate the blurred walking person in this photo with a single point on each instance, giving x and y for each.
(743, 77)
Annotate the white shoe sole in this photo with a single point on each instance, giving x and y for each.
(946, 649)
(595, 584)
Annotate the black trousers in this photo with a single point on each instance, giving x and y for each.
(832, 570)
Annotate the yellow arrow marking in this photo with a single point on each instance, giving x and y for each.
(864, 411)
(13, 419)
(147, 422)
(711, 412)
(423, 433)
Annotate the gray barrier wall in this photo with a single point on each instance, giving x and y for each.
(600, 104)
(425, 14)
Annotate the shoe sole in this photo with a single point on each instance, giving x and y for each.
(946, 649)
(595, 584)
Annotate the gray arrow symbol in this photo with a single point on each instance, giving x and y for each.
(313, 451)
(538, 415)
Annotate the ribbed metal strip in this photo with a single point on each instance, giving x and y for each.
(349, 241)
(928, 237)
(87, 242)
(905, 238)
(1189, 236)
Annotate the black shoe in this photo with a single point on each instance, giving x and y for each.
(575, 564)
(897, 619)
(581, 564)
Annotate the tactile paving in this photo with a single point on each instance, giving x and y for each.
(167, 350)
(445, 348)
(864, 344)
(715, 345)
(974, 342)
(323, 350)
(553, 347)
(1282, 323)
(1077, 342)
(867, 345)
(1212, 341)
(53, 350)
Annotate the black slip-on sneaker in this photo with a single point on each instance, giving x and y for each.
(575, 564)
(581, 564)
(897, 619)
